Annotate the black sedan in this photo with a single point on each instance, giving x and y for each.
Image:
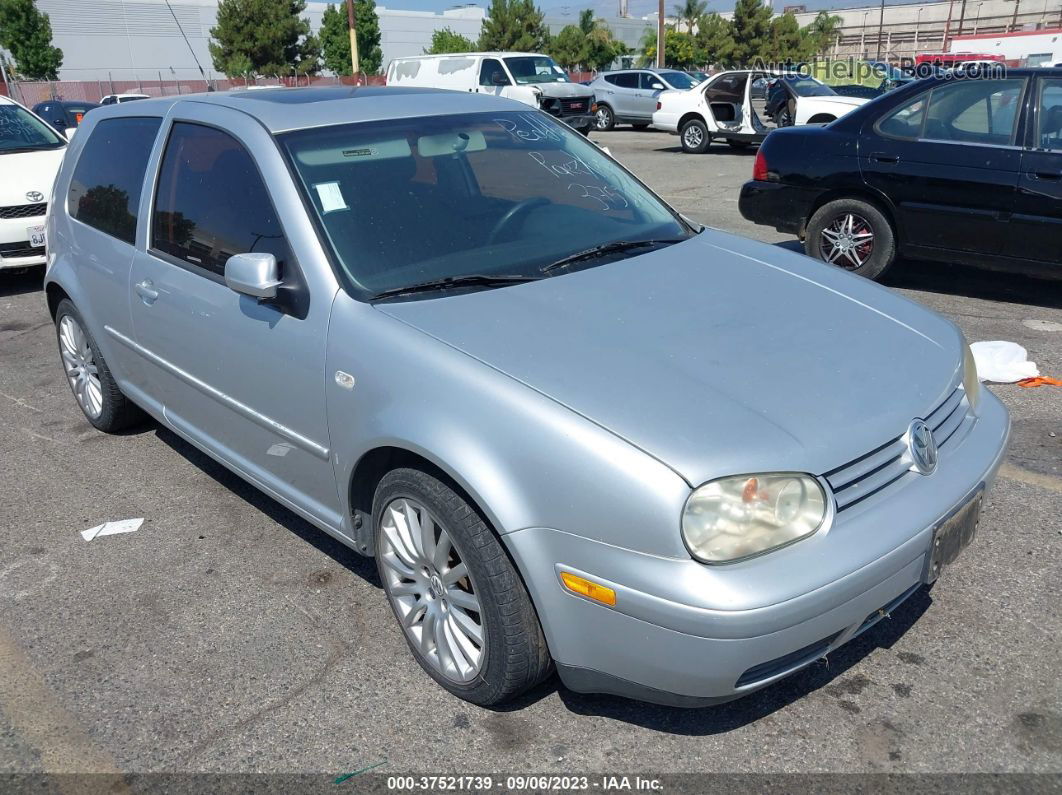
(63, 114)
(960, 169)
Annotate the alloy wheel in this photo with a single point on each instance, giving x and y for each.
(603, 119)
(693, 136)
(431, 590)
(847, 241)
(80, 366)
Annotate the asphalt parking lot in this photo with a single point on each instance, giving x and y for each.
(229, 635)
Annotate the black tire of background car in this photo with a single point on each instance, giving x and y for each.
(119, 412)
(884, 251)
(783, 118)
(640, 127)
(706, 138)
(605, 119)
(517, 658)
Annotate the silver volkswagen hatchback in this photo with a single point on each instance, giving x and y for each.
(573, 429)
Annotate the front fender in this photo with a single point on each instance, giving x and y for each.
(526, 460)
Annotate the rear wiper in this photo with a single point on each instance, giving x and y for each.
(450, 282)
(605, 248)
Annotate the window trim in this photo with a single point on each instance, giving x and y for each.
(299, 304)
(147, 170)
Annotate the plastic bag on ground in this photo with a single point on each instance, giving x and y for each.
(1002, 362)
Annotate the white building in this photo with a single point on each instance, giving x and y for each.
(1032, 47)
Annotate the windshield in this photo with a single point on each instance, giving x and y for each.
(409, 201)
(20, 130)
(808, 87)
(679, 80)
(535, 69)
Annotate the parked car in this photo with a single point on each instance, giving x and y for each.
(719, 108)
(800, 99)
(64, 115)
(30, 154)
(402, 313)
(531, 78)
(944, 169)
(112, 99)
(629, 96)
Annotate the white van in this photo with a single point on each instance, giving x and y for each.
(531, 78)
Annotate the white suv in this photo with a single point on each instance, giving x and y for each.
(30, 155)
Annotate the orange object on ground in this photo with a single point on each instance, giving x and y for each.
(1040, 380)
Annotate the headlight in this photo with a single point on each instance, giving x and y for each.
(970, 383)
(737, 517)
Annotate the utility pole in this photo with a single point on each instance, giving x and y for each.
(962, 16)
(1014, 19)
(881, 25)
(354, 39)
(660, 35)
(947, 27)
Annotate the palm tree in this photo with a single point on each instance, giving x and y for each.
(690, 11)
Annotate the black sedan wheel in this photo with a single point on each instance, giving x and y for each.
(853, 235)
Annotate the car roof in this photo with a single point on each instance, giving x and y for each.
(284, 109)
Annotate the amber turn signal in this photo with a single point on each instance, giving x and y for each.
(591, 590)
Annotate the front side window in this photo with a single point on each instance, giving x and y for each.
(408, 201)
(1049, 132)
(906, 121)
(679, 80)
(490, 71)
(211, 202)
(535, 69)
(649, 79)
(106, 185)
(21, 131)
(974, 111)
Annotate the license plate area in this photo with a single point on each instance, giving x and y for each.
(36, 236)
(952, 535)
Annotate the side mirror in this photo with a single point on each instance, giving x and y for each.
(499, 79)
(657, 86)
(256, 275)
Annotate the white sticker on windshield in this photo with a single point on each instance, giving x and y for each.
(331, 196)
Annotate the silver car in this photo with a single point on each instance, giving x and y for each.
(629, 96)
(574, 429)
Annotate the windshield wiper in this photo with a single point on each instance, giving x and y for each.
(451, 282)
(605, 248)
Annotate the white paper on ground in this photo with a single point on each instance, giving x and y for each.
(1002, 362)
(112, 528)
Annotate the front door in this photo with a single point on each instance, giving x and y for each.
(948, 161)
(241, 378)
(643, 103)
(623, 98)
(1037, 219)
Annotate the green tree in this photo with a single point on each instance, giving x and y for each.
(335, 38)
(263, 37)
(715, 40)
(514, 25)
(568, 47)
(26, 33)
(690, 12)
(822, 31)
(445, 40)
(751, 31)
(680, 49)
(788, 42)
(587, 23)
(601, 48)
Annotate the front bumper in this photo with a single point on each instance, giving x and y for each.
(671, 638)
(785, 207)
(579, 122)
(15, 249)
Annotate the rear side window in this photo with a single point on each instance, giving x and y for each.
(1049, 132)
(105, 189)
(974, 111)
(211, 202)
(627, 80)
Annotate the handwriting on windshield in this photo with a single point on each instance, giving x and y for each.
(565, 166)
(528, 128)
(608, 198)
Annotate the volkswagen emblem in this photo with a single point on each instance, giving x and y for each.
(923, 447)
(35, 196)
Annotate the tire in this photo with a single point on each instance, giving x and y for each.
(783, 118)
(605, 119)
(95, 390)
(695, 137)
(845, 221)
(739, 145)
(512, 655)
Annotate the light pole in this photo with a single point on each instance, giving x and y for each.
(881, 24)
(918, 21)
(1014, 19)
(353, 40)
(863, 36)
(977, 19)
(659, 35)
(962, 16)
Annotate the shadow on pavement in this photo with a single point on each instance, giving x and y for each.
(19, 282)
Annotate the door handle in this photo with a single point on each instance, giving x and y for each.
(1045, 175)
(883, 158)
(146, 290)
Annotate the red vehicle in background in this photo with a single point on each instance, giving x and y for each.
(950, 60)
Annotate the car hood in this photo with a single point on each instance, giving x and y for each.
(716, 356)
(563, 90)
(25, 172)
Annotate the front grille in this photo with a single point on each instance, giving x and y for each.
(571, 106)
(21, 249)
(787, 662)
(888, 464)
(24, 210)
